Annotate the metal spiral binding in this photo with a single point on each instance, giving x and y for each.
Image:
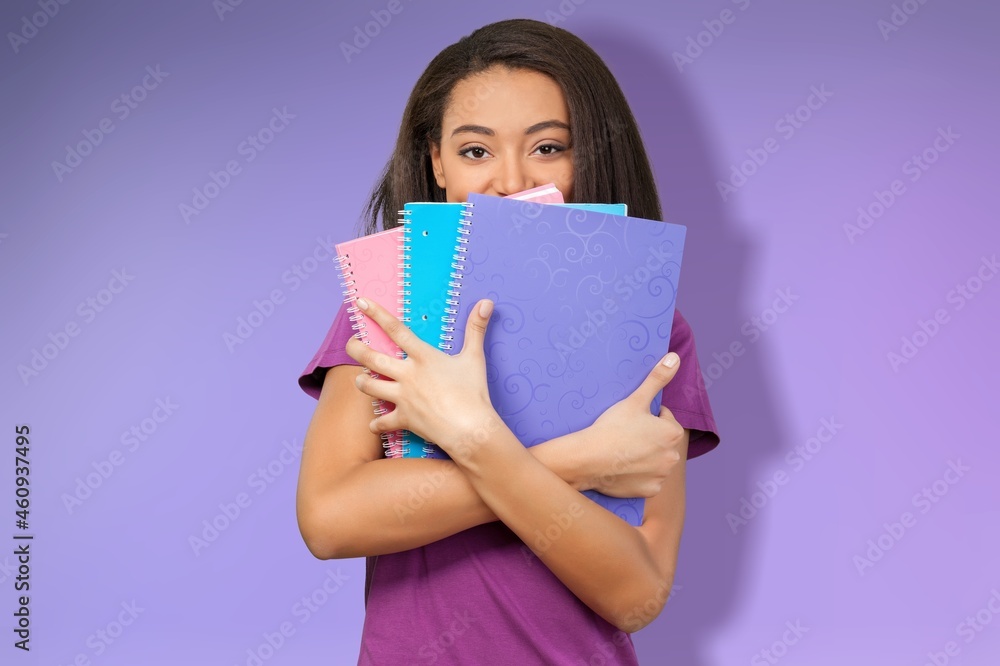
(404, 268)
(455, 284)
(351, 296)
(403, 445)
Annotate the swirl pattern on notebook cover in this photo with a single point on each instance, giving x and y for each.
(584, 304)
(430, 232)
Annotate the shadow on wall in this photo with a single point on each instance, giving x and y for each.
(717, 260)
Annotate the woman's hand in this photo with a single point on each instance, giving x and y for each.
(630, 450)
(442, 398)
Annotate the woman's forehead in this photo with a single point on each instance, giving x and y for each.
(501, 98)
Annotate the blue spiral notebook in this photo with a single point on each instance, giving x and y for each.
(430, 234)
(584, 307)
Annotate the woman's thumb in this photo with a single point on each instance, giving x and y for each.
(475, 327)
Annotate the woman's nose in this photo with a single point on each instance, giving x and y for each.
(510, 177)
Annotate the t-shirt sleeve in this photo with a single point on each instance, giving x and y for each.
(332, 352)
(686, 395)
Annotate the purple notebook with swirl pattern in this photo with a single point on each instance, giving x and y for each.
(584, 303)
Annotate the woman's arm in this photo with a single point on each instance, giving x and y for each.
(352, 501)
(611, 566)
(623, 573)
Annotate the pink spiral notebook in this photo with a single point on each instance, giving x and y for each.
(370, 267)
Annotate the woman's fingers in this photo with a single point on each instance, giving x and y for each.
(397, 331)
(657, 378)
(383, 389)
(386, 422)
(475, 326)
(376, 361)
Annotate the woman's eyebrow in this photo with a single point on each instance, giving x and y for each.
(486, 131)
(547, 124)
(475, 129)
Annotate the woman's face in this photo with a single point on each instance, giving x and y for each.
(504, 131)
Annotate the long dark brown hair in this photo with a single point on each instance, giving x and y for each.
(610, 164)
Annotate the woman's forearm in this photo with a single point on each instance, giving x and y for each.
(389, 505)
(603, 560)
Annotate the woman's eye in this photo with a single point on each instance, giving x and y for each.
(474, 152)
(550, 149)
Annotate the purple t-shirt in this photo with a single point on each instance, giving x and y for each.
(481, 596)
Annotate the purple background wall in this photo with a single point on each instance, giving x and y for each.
(827, 548)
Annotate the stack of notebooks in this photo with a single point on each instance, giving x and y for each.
(584, 300)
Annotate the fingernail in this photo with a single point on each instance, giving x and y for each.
(362, 303)
(485, 308)
(670, 360)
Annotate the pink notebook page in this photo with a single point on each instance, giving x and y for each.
(541, 194)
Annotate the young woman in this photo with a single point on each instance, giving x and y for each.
(494, 557)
